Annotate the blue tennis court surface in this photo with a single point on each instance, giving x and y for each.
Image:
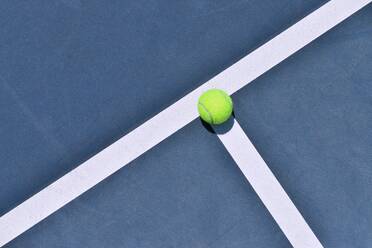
(75, 76)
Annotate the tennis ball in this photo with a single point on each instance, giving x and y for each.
(215, 106)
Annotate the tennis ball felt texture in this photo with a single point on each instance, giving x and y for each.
(215, 106)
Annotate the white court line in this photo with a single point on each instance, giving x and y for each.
(173, 118)
(267, 186)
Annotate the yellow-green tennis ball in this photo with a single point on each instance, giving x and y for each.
(215, 106)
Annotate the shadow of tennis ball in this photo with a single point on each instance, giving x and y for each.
(219, 129)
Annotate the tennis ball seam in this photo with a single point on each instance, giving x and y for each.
(206, 110)
(227, 98)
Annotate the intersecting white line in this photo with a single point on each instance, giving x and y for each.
(173, 118)
(266, 186)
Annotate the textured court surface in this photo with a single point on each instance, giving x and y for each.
(76, 76)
